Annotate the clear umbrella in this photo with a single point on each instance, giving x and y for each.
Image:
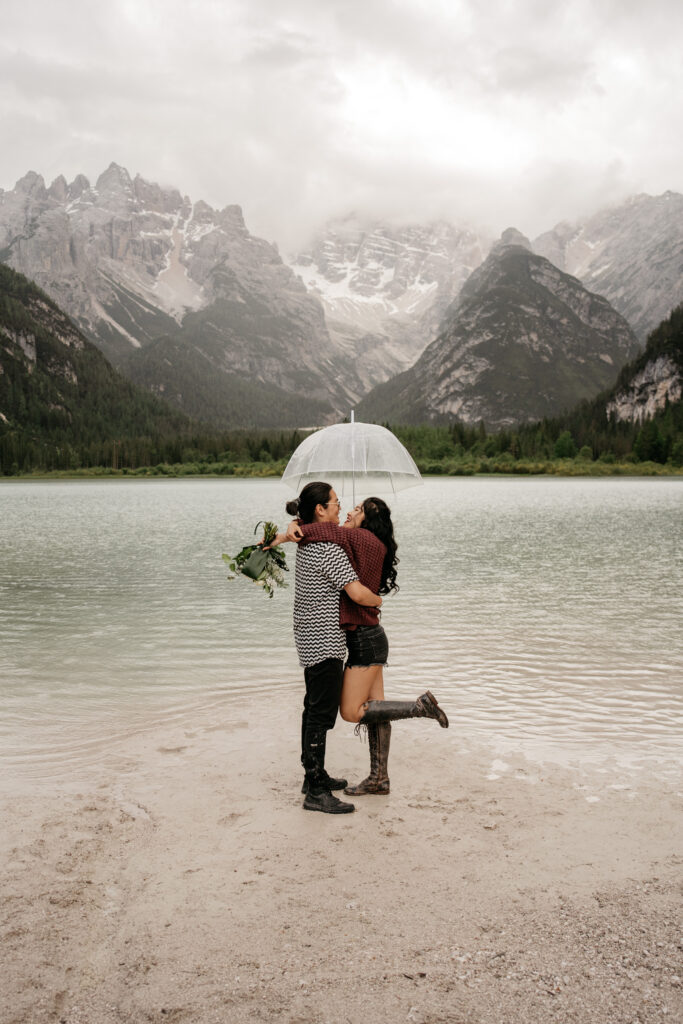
(350, 454)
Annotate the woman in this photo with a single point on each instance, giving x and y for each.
(368, 539)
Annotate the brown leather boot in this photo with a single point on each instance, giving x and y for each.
(426, 706)
(377, 782)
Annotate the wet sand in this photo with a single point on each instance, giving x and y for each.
(178, 879)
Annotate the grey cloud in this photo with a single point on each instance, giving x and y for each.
(521, 70)
(247, 101)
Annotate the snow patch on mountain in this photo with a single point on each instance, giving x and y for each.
(174, 289)
(385, 288)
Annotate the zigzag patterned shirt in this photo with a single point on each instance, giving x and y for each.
(322, 571)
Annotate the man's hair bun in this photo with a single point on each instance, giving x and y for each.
(292, 507)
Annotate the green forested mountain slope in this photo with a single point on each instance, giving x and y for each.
(644, 409)
(57, 389)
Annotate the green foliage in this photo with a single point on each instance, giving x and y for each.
(564, 446)
(264, 568)
(651, 445)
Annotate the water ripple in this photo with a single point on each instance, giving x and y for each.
(542, 611)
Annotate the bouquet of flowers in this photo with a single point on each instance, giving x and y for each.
(263, 567)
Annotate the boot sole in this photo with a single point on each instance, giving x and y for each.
(441, 716)
(366, 792)
(369, 789)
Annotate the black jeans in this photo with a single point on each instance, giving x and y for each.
(323, 694)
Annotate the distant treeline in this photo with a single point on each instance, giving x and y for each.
(21, 452)
(576, 440)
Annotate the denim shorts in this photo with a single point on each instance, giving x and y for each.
(367, 645)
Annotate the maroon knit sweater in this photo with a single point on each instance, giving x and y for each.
(366, 554)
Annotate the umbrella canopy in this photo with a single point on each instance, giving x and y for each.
(353, 455)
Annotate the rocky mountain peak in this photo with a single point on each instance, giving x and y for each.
(59, 189)
(114, 179)
(511, 236)
(232, 220)
(153, 197)
(77, 187)
(203, 213)
(31, 184)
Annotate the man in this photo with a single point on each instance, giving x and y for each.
(322, 572)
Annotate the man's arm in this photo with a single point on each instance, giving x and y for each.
(337, 569)
(361, 595)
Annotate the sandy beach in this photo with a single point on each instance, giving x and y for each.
(177, 878)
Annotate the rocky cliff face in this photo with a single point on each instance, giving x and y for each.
(632, 254)
(385, 289)
(655, 379)
(132, 263)
(522, 341)
(660, 381)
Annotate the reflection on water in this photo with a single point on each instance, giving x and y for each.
(546, 613)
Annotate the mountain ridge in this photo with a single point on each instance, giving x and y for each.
(168, 287)
(632, 253)
(131, 262)
(521, 341)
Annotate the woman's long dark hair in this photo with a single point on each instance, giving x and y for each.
(315, 493)
(378, 521)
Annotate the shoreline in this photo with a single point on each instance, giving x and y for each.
(179, 879)
(550, 470)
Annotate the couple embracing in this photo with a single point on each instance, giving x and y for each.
(341, 573)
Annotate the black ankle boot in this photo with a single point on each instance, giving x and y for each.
(426, 706)
(328, 804)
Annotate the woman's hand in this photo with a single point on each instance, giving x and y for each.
(278, 539)
(294, 532)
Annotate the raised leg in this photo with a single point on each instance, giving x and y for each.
(426, 706)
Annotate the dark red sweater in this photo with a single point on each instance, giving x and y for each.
(366, 554)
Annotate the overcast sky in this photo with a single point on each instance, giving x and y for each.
(495, 113)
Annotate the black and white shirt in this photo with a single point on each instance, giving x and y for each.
(322, 571)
